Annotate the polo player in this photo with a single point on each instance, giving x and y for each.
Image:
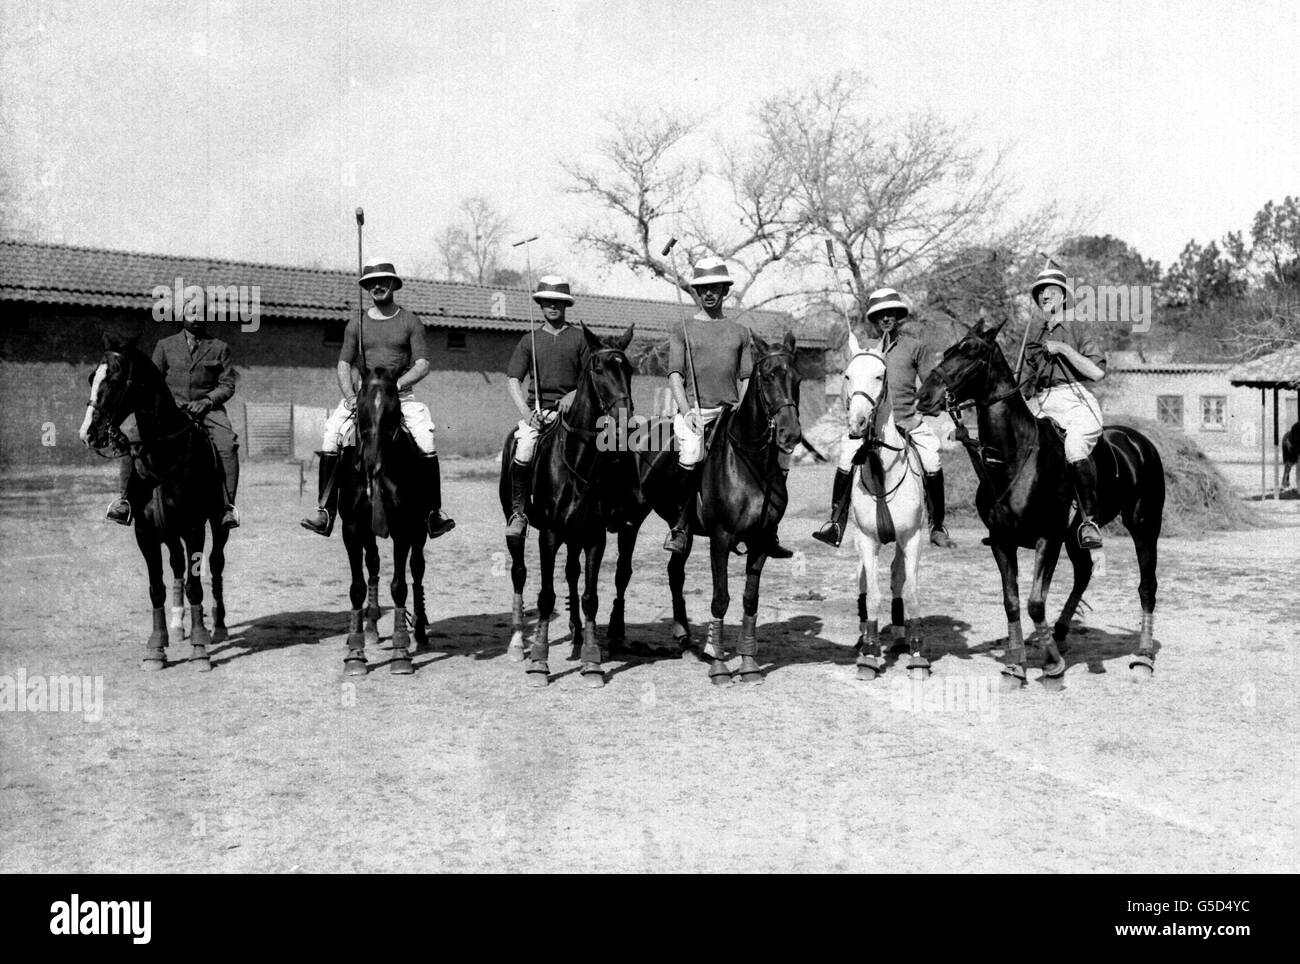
(390, 337)
(559, 361)
(719, 359)
(1071, 355)
(907, 363)
(202, 379)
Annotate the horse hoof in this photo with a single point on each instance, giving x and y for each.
(751, 677)
(152, 664)
(1142, 667)
(515, 652)
(594, 678)
(220, 634)
(1013, 678)
(719, 675)
(1054, 670)
(371, 638)
(918, 672)
(539, 678)
(401, 666)
(868, 674)
(354, 667)
(199, 657)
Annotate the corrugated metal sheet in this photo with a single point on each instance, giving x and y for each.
(269, 429)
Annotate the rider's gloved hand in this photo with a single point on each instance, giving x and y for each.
(695, 421)
(199, 407)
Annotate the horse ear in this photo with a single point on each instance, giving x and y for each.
(789, 342)
(593, 341)
(991, 334)
(854, 347)
(624, 339)
(760, 346)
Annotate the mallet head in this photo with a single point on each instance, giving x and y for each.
(361, 216)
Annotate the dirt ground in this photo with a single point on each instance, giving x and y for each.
(274, 762)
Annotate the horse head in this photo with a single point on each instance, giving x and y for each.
(865, 390)
(379, 417)
(774, 382)
(607, 377)
(117, 389)
(966, 373)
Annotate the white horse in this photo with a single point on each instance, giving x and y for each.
(892, 510)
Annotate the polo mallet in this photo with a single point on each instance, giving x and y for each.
(830, 259)
(667, 252)
(361, 308)
(532, 329)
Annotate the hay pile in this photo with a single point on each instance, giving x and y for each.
(1197, 496)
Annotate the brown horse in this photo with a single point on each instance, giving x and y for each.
(176, 457)
(741, 500)
(1024, 497)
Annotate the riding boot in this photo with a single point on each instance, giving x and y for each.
(934, 492)
(327, 500)
(1085, 487)
(776, 550)
(832, 533)
(439, 524)
(690, 487)
(230, 482)
(520, 473)
(120, 511)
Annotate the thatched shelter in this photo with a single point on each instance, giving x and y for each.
(1276, 373)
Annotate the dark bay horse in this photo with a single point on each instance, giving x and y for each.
(567, 505)
(177, 457)
(380, 497)
(1025, 498)
(741, 500)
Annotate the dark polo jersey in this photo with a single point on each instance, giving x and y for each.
(1078, 335)
(720, 351)
(393, 343)
(205, 372)
(561, 356)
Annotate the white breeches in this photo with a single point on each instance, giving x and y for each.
(340, 426)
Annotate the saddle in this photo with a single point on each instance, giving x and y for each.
(871, 471)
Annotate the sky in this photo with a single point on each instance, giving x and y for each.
(252, 131)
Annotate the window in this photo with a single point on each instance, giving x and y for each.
(456, 341)
(1213, 409)
(334, 336)
(1169, 410)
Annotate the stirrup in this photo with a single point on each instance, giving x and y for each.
(939, 537)
(1091, 540)
(112, 518)
(313, 523)
(676, 541)
(830, 534)
(230, 520)
(439, 524)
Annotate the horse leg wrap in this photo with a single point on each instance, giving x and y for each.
(590, 652)
(714, 647)
(748, 636)
(158, 638)
(1146, 638)
(199, 640)
(401, 638)
(356, 639)
(870, 661)
(372, 600)
(542, 640)
(897, 614)
(1015, 643)
(914, 647)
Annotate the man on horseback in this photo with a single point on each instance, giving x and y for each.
(908, 362)
(561, 355)
(390, 337)
(1070, 353)
(202, 379)
(718, 357)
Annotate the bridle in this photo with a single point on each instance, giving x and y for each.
(768, 435)
(119, 445)
(606, 406)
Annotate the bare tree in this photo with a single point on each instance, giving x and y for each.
(471, 250)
